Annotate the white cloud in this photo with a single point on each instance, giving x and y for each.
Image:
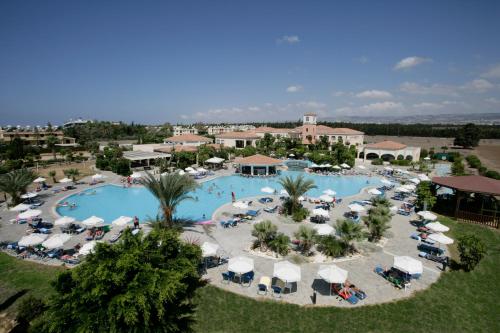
(427, 106)
(492, 73)
(478, 85)
(253, 108)
(410, 62)
(375, 94)
(293, 89)
(434, 89)
(311, 105)
(294, 39)
(382, 106)
(493, 100)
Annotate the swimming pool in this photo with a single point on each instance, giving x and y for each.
(111, 201)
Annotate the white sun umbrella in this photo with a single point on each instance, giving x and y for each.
(30, 213)
(56, 241)
(357, 208)
(402, 190)
(387, 168)
(410, 187)
(427, 158)
(286, 271)
(332, 273)
(362, 167)
(345, 166)
(98, 176)
(284, 192)
(182, 172)
(267, 189)
(87, 248)
(329, 192)
(437, 227)
(336, 167)
(374, 191)
(136, 175)
(326, 198)
(39, 180)
(385, 181)
(202, 170)
(320, 212)
(188, 169)
(324, 229)
(32, 240)
(314, 165)
(209, 249)
(240, 205)
(423, 177)
(29, 195)
(408, 265)
(193, 172)
(426, 215)
(20, 208)
(93, 221)
(301, 198)
(415, 181)
(65, 180)
(122, 221)
(327, 165)
(440, 238)
(62, 221)
(240, 265)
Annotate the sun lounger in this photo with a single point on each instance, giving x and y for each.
(226, 277)
(265, 200)
(247, 278)
(271, 210)
(253, 213)
(264, 285)
(115, 237)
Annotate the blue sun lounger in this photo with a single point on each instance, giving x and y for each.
(253, 213)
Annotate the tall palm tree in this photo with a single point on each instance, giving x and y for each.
(307, 237)
(280, 244)
(171, 189)
(53, 174)
(296, 187)
(51, 144)
(378, 223)
(350, 231)
(15, 183)
(264, 231)
(73, 173)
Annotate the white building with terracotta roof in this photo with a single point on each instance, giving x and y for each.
(237, 140)
(187, 140)
(221, 129)
(390, 150)
(181, 130)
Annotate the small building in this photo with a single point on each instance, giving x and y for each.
(220, 129)
(238, 140)
(187, 140)
(139, 158)
(277, 132)
(182, 130)
(389, 150)
(258, 165)
(37, 138)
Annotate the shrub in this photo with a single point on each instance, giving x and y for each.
(29, 308)
(307, 238)
(492, 174)
(377, 161)
(471, 250)
(300, 214)
(331, 246)
(280, 244)
(473, 161)
(401, 162)
(264, 231)
(457, 168)
(425, 198)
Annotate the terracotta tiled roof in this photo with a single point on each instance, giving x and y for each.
(265, 129)
(389, 145)
(188, 138)
(168, 149)
(475, 184)
(238, 135)
(259, 160)
(325, 130)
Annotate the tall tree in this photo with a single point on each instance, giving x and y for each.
(170, 189)
(468, 136)
(425, 198)
(307, 237)
(51, 144)
(350, 231)
(15, 183)
(264, 231)
(296, 187)
(141, 284)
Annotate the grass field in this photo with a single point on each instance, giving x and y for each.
(458, 302)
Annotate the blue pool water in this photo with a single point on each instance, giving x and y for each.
(110, 201)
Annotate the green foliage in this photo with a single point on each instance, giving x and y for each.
(266, 143)
(265, 232)
(307, 237)
(377, 161)
(378, 220)
(350, 231)
(51, 144)
(424, 153)
(295, 187)
(248, 151)
(492, 174)
(426, 199)
(468, 136)
(184, 159)
(71, 173)
(457, 168)
(141, 284)
(473, 161)
(52, 174)
(471, 250)
(15, 183)
(331, 246)
(29, 309)
(280, 244)
(299, 214)
(170, 190)
(112, 159)
(401, 162)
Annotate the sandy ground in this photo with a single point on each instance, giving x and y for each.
(85, 168)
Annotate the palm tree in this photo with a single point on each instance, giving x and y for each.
(307, 237)
(381, 201)
(73, 173)
(280, 244)
(52, 174)
(170, 190)
(296, 187)
(15, 183)
(378, 222)
(350, 231)
(264, 231)
(51, 144)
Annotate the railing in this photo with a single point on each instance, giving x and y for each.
(474, 218)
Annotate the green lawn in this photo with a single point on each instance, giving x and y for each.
(459, 302)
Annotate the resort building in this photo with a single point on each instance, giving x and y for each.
(182, 130)
(36, 138)
(237, 140)
(221, 129)
(278, 132)
(257, 165)
(389, 150)
(138, 159)
(187, 140)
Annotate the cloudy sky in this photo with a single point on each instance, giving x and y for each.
(227, 61)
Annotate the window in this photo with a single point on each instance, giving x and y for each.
(240, 144)
(307, 118)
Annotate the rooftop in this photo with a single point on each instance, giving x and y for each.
(188, 138)
(259, 160)
(389, 145)
(238, 135)
(143, 155)
(266, 129)
(475, 184)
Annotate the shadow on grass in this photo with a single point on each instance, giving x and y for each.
(12, 299)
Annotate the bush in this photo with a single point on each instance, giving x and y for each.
(471, 250)
(332, 247)
(29, 308)
(492, 174)
(300, 214)
(400, 157)
(122, 167)
(473, 161)
(401, 162)
(377, 161)
(280, 244)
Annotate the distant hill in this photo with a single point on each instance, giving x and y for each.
(456, 119)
